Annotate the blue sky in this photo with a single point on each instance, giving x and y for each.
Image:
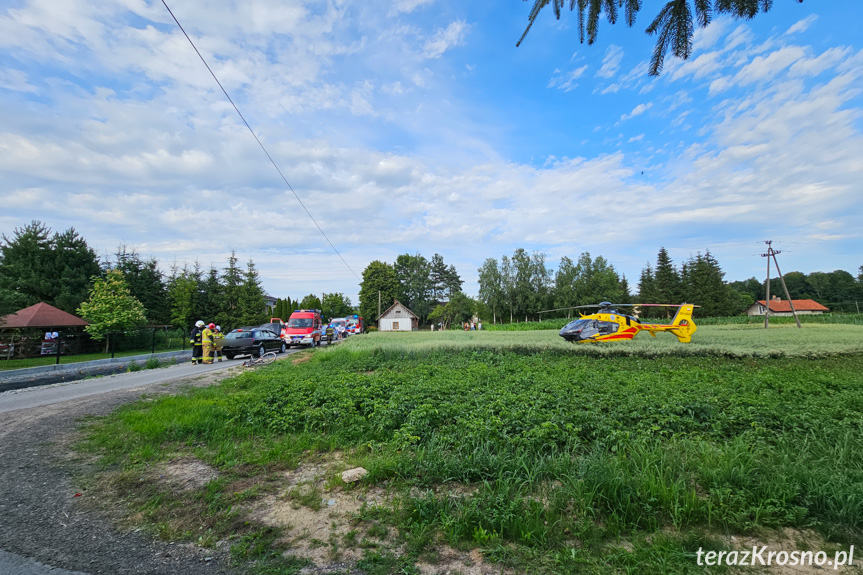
(418, 126)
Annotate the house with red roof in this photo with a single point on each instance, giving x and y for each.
(780, 308)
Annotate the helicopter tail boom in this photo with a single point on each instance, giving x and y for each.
(682, 325)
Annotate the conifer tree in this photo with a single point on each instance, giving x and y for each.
(251, 303)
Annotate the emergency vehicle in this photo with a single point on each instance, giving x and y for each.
(304, 328)
(356, 324)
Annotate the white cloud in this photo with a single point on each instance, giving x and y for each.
(802, 25)
(566, 81)
(445, 38)
(637, 111)
(610, 62)
(410, 5)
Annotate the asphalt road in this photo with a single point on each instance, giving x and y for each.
(48, 527)
(49, 394)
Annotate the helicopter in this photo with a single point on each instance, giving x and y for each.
(608, 324)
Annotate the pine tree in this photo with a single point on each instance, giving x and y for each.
(232, 281)
(75, 265)
(666, 280)
(251, 303)
(647, 290)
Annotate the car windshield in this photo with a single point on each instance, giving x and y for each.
(300, 322)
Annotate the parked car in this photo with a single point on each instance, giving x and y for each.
(254, 341)
(277, 326)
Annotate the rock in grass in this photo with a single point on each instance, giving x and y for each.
(354, 474)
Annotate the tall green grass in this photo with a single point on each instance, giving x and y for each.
(559, 453)
(813, 340)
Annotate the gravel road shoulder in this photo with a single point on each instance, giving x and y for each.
(44, 521)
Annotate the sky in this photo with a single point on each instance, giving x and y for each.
(418, 126)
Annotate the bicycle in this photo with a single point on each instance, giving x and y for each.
(264, 359)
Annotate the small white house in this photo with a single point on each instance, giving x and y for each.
(780, 308)
(398, 318)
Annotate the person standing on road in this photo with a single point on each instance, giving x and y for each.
(218, 338)
(197, 343)
(209, 342)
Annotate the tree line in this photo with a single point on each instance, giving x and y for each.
(417, 282)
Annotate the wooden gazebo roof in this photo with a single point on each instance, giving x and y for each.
(40, 315)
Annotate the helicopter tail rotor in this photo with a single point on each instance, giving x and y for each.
(683, 326)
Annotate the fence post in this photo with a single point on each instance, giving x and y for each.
(111, 341)
(59, 346)
(183, 331)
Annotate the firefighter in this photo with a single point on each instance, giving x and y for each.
(218, 336)
(209, 342)
(197, 343)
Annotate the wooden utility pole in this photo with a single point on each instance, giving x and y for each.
(772, 253)
(767, 291)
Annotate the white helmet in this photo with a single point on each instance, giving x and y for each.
(218, 328)
(199, 323)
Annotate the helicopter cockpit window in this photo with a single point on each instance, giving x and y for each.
(606, 327)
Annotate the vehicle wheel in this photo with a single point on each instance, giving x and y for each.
(261, 350)
(284, 348)
(229, 355)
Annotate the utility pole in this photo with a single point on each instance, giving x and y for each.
(379, 303)
(767, 292)
(772, 253)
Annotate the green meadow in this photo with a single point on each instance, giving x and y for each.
(543, 456)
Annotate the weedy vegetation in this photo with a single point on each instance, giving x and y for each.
(611, 458)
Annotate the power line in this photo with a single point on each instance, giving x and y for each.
(225, 92)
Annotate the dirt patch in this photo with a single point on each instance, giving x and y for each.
(452, 562)
(301, 358)
(187, 474)
(323, 519)
(318, 514)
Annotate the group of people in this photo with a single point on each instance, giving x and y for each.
(472, 326)
(204, 338)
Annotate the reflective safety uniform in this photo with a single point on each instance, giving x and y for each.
(197, 345)
(209, 344)
(218, 338)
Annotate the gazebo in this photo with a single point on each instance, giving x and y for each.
(39, 316)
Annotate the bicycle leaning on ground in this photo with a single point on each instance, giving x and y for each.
(264, 359)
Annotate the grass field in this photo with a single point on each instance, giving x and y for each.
(545, 456)
(813, 340)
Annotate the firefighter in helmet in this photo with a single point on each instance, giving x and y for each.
(196, 341)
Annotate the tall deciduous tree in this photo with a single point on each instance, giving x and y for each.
(491, 288)
(378, 278)
(336, 305)
(311, 301)
(673, 27)
(182, 291)
(111, 307)
(415, 288)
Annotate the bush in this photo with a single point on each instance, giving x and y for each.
(134, 366)
(152, 363)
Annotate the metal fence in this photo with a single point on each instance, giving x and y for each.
(21, 344)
